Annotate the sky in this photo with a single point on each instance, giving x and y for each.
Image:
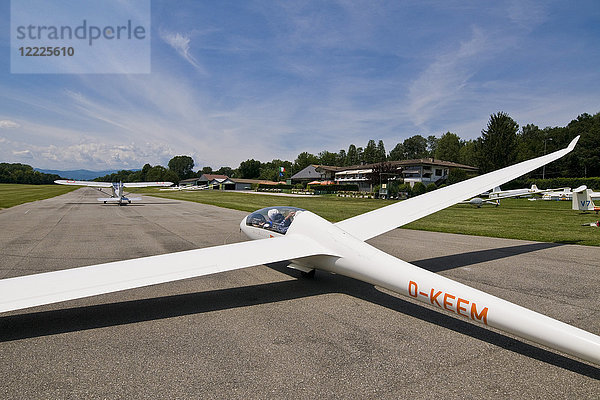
(234, 80)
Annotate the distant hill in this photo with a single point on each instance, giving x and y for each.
(78, 174)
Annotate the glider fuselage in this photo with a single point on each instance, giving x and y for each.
(357, 259)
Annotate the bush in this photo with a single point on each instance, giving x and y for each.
(418, 189)
(333, 188)
(405, 188)
(456, 175)
(553, 183)
(278, 186)
(431, 187)
(393, 188)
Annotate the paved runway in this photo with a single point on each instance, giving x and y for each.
(264, 332)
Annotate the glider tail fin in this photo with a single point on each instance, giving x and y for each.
(582, 200)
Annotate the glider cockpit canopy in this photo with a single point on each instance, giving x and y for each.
(277, 219)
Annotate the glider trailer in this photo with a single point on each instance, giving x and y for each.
(310, 242)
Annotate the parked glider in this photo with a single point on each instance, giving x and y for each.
(583, 199)
(495, 197)
(498, 193)
(558, 194)
(189, 188)
(478, 202)
(117, 194)
(310, 242)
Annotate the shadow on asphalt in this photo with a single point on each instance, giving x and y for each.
(439, 264)
(43, 323)
(98, 203)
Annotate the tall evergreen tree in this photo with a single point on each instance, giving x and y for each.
(381, 154)
(361, 155)
(432, 143)
(370, 152)
(497, 146)
(352, 156)
(342, 159)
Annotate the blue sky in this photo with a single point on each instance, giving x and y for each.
(233, 80)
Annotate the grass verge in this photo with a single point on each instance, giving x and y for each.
(544, 221)
(12, 194)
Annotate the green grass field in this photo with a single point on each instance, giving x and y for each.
(545, 221)
(330, 207)
(15, 194)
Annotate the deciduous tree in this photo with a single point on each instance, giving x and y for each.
(448, 148)
(183, 166)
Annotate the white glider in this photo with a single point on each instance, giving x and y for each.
(496, 195)
(564, 193)
(310, 242)
(583, 199)
(117, 194)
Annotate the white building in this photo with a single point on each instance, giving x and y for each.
(424, 170)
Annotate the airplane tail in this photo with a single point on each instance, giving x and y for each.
(582, 200)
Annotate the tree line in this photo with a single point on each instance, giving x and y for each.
(23, 173)
(501, 143)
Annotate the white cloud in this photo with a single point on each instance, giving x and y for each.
(443, 81)
(527, 14)
(306, 82)
(101, 155)
(22, 153)
(7, 124)
(89, 155)
(181, 44)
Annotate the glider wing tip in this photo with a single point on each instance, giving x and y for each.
(573, 143)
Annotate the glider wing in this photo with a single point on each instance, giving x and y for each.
(376, 222)
(145, 184)
(83, 183)
(51, 287)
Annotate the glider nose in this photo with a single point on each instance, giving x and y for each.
(243, 225)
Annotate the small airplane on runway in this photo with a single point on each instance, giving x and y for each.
(117, 194)
(309, 242)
